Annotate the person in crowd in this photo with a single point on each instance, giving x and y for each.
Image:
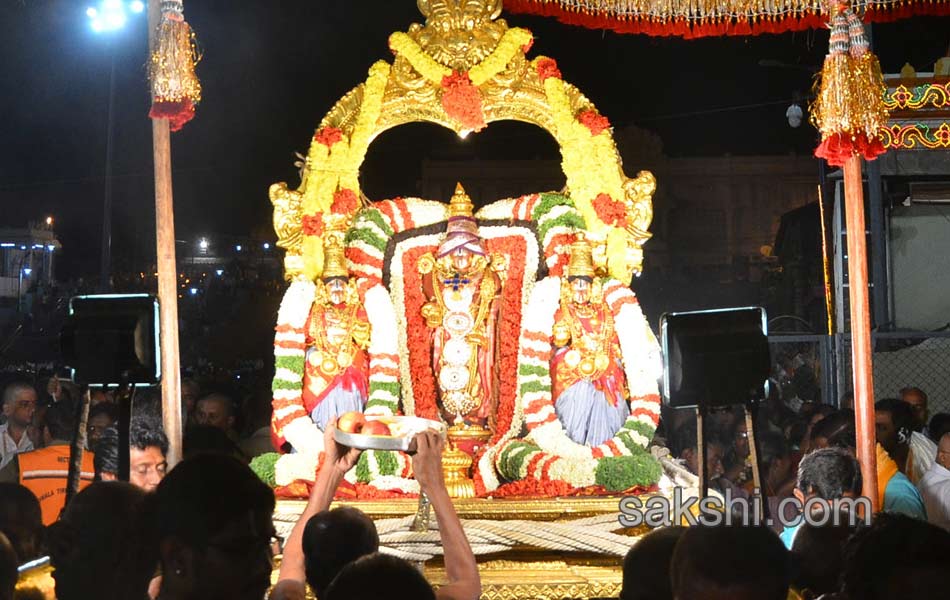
(821, 411)
(893, 424)
(896, 493)
(211, 525)
(99, 396)
(939, 425)
(935, 486)
(21, 521)
(817, 558)
(334, 538)
(828, 474)
(380, 576)
(257, 415)
(686, 447)
(646, 567)
(897, 558)
(19, 404)
(729, 563)
(461, 568)
(148, 447)
(216, 410)
(916, 399)
(8, 568)
(101, 417)
(206, 439)
(190, 392)
(97, 549)
(44, 471)
(737, 459)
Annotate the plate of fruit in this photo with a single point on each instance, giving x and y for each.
(382, 432)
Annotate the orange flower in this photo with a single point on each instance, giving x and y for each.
(610, 211)
(593, 121)
(328, 136)
(345, 202)
(547, 67)
(313, 224)
(462, 101)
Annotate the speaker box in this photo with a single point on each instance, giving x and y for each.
(715, 357)
(113, 339)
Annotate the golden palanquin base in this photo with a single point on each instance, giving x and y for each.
(520, 573)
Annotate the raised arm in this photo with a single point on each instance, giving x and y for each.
(460, 566)
(292, 581)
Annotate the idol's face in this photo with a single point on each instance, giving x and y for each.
(580, 290)
(336, 291)
(461, 259)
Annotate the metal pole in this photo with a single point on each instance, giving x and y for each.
(105, 265)
(167, 270)
(860, 329)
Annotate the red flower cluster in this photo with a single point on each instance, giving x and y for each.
(313, 224)
(594, 121)
(610, 211)
(328, 136)
(345, 202)
(840, 147)
(547, 67)
(417, 337)
(366, 491)
(462, 101)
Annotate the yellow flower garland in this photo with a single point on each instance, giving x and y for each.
(330, 169)
(590, 165)
(511, 43)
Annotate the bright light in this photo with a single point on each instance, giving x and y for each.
(266, 246)
(49, 220)
(91, 12)
(112, 15)
(194, 291)
(464, 133)
(238, 248)
(137, 6)
(27, 271)
(203, 243)
(51, 247)
(220, 272)
(22, 247)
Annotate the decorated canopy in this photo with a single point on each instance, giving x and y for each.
(701, 18)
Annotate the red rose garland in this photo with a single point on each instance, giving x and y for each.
(417, 337)
(345, 202)
(462, 101)
(313, 224)
(610, 211)
(328, 136)
(593, 121)
(547, 67)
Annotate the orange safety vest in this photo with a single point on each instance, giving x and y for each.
(44, 473)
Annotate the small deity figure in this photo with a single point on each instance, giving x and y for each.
(336, 369)
(462, 286)
(588, 377)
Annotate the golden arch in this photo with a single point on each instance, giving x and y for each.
(464, 43)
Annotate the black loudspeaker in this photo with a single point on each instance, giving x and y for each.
(113, 339)
(715, 357)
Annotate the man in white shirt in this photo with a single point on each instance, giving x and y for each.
(935, 486)
(19, 404)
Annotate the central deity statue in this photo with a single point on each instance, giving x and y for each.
(461, 284)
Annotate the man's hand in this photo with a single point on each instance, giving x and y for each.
(340, 457)
(427, 462)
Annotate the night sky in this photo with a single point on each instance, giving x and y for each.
(271, 70)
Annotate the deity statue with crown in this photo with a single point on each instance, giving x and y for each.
(461, 285)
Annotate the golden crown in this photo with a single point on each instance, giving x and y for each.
(461, 205)
(581, 263)
(334, 259)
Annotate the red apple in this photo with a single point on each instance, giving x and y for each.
(375, 428)
(351, 422)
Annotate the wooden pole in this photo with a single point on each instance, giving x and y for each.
(860, 329)
(167, 270)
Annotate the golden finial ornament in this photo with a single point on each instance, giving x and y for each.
(581, 263)
(461, 204)
(334, 259)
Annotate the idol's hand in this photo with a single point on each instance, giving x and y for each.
(342, 458)
(427, 461)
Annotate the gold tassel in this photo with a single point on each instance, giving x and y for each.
(175, 86)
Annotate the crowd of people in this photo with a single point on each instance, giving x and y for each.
(204, 529)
